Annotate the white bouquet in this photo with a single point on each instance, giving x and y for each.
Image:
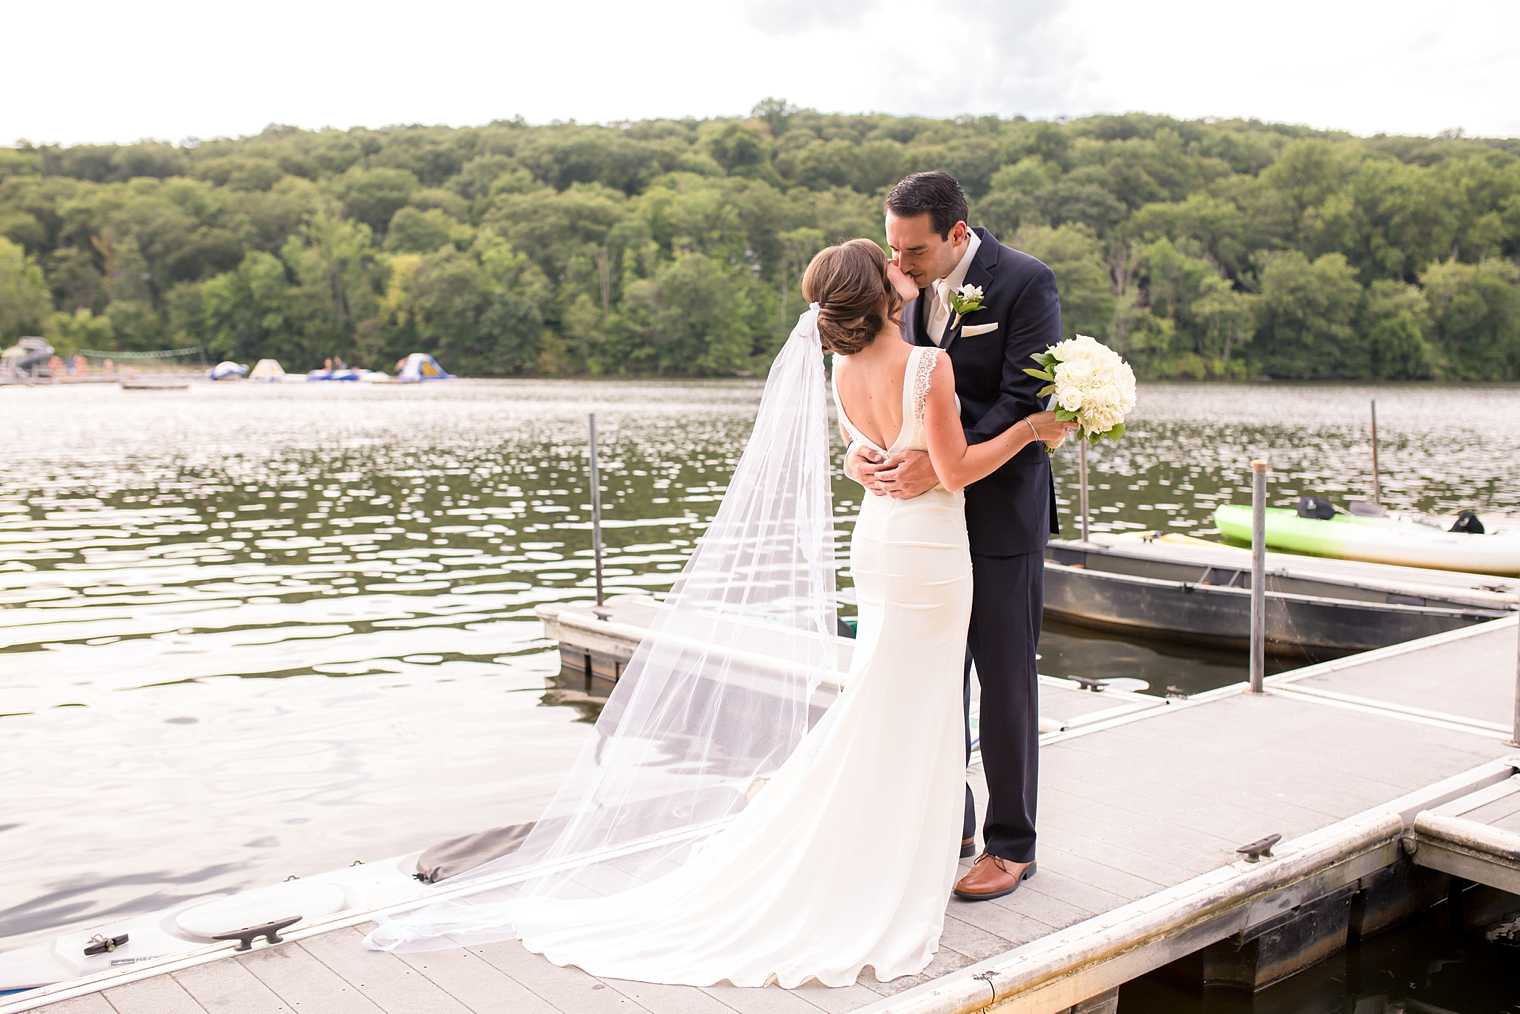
(1090, 385)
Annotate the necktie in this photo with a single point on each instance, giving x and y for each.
(940, 319)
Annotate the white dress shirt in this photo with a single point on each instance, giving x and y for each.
(938, 317)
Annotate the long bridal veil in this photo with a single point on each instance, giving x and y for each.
(740, 661)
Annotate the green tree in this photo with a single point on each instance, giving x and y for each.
(1173, 281)
(1475, 318)
(482, 311)
(250, 313)
(422, 231)
(742, 149)
(1143, 337)
(336, 270)
(1308, 314)
(373, 196)
(1075, 255)
(70, 332)
(75, 280)
(1394, 321)
(25, 304)
(1224, 319)
(1403, 218)
(1217, 228)
(695, 317)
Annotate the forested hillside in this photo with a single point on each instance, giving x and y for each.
(675, 246)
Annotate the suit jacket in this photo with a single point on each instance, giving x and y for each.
(1013, 510)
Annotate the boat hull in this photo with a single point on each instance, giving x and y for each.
(1094, 586)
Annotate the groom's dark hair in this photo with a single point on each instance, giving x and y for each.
(936, 193)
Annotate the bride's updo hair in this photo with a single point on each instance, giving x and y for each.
(855, 300)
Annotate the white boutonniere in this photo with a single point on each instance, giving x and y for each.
(964, 300)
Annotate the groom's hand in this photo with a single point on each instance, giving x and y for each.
(907, 474)
(862, 465)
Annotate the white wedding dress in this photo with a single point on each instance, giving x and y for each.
(847, 856)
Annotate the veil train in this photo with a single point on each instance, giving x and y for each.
(739, 663)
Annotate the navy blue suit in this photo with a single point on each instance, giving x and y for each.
(1009, 516)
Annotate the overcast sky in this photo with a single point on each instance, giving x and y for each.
(93, 71)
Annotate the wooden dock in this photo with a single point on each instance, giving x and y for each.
(1356, 764)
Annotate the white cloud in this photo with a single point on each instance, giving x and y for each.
(117, 72)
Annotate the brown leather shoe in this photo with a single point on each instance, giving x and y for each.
(968, 847)
(993, 877)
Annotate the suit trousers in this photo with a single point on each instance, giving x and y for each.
(1008, 599)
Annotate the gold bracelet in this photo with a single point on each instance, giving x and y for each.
(1032, 429)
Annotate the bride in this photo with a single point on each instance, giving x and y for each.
(757, 806)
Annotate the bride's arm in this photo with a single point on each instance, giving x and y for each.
(958, 465)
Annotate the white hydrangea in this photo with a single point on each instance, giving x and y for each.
(1092, 381)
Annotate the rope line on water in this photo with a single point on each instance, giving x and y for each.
(120, 354)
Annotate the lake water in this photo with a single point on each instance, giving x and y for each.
(253, 631)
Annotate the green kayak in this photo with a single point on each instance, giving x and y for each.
(1378, 540)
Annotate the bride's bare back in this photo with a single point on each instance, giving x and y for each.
(874, 381)
(870, 385)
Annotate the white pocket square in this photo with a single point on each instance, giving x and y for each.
(972, 330)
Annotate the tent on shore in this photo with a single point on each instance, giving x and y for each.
(420, 366)
(228, 370)
(267, 369)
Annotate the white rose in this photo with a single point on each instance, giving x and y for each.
(1099, 420)
(1074, 373)
(1070, 399)
(1066, 351)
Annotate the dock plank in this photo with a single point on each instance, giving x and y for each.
(226, 987)
(302, 981)
(1005, 921)
(1052, 897)
(946, 960)
(1044, 908)
(972, 940)
(770, 1000)
(568, 989)
(1157, 852)
(668, 999)
(90, 1003)
(837, 999)
(1452, 678)
(388, 982)
(1495, 811)
(158, 995)
(477, 983)
(1094, 869)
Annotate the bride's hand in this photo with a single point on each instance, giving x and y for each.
(1050, 429)
(907, 288)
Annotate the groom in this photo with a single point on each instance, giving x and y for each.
(1008, 514)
